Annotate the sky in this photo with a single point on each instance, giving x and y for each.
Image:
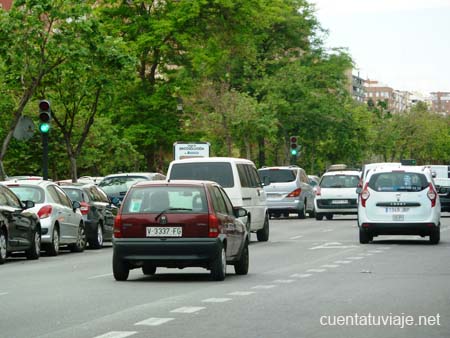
(404, 44)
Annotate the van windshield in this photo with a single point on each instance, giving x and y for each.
(220, 172)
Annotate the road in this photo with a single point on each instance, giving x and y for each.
(312, 279)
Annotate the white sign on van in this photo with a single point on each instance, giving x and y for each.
(182, 150)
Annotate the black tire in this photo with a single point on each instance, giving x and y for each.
(364, 236)
(286, 215)
(276, 215)
(219, 265)
(435, 236)
(3, 246)
(52, 249)
(97, 242)
(263, 234)
(34, 252)
(148, 270)
(312, 213)
(241, 266)
(80, 244)
(302, 213)
(329, 217)
(319, 217)
(121, 270)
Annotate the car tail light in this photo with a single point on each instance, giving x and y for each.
(84, 208)
(295, 193)
(318, 191)
(365, 194)
(432, 195)
(118, 226)
(45, 211)
(213, 226)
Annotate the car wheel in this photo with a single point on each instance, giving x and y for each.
(319, 217)
(241, 266)
(364, 236)
(121, 269)
(329, 217)
(3, 246)
(276, 215)
(97, 243)
(219, 266)
(286, 215)
(148, 270)
(53, 248)
(80, 244)
(34, 252)
(312, 213)
(263, 234)
(435, 236)
(302, 213)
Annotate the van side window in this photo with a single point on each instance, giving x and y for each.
(246, 180)
(255, 179)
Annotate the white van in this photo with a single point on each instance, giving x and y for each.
(240, 180)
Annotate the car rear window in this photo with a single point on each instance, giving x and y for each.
(339, 181)
(398, 181)
(116, 185)
(26, 193)
(178, 199)
(220, 172)
(74, 194)
(277, 175)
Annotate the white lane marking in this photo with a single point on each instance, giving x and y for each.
(216, 300)
(117, 334)
(301, 275)
(444, 229)
(367, 254)
(326, 230)
(188, 309)
(101, 276)
(330, 266)
(154, 321)
(375, 251)
(296, 237)
(316, 270)
(332, 245)
(342, 262)
(284, 281)
(241, 293)
(263, 287)
(354, 258)
(385, 248)
(3, 293)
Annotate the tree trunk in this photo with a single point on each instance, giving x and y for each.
(261, 151)
(73, 168)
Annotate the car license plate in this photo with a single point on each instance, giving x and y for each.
(339, 202)
(164, 231)
(396, 210)
(398, 217)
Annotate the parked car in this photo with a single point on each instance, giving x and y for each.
(399, 201)
(337, 194)
(117, 185)
(60, 218)
(179, 224)
(288, 190)
(97, 210)
(238, 177)
(19, 228)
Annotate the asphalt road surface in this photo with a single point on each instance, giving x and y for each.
(311, 279)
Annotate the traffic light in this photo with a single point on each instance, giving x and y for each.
(294, 147)
(44, 116)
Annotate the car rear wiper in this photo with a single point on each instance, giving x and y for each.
(170, 209)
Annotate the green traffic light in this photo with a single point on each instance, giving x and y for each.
(44, 128)
(293, 152)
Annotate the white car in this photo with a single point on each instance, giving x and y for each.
(60, 218)
(337, 194)
(399, 201)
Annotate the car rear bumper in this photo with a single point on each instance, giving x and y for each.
(167, 252)
(420, 229)
(284, 206)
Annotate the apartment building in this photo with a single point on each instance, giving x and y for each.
(397, 101)
(440, 103)
(355, 86)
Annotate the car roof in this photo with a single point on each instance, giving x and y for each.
(212, 159)
(280, 167)
(343, 172)
(141, 174)
(40, 183)
(197, 183)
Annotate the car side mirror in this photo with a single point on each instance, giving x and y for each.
(28, 204)
(240, 212)
(358, 190)
(76, 205)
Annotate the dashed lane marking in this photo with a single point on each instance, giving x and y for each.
(3, 293)
(154, 321)
(101, 276)
(330, 266)
(241, 293)
(216, 300)
(301, 275)
(354, 258)
(296, 237)
(284, 281)
(188, 309)
(342, 262)
(316, 270)
(263, 287)
(117, 334)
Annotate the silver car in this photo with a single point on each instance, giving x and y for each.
(60, 218)
(288, 190)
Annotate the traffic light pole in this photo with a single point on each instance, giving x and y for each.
(45, 156)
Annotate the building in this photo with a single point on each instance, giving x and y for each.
(440, 103)
(355, 86)
(397, 101)
(6, 4)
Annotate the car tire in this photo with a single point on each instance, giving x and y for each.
(219, 266)
(52, 249)
(263, 234)
(148, 270)
(241, 266)
(121, 270)
(364, 237)
(80, 244)
(312, 213)
(329, 217)
(34, 252)
(435, 236)
(302, 213)
(3, 246)
(97, 242)
(319, 217)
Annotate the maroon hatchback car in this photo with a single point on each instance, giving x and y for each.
(179, 224)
